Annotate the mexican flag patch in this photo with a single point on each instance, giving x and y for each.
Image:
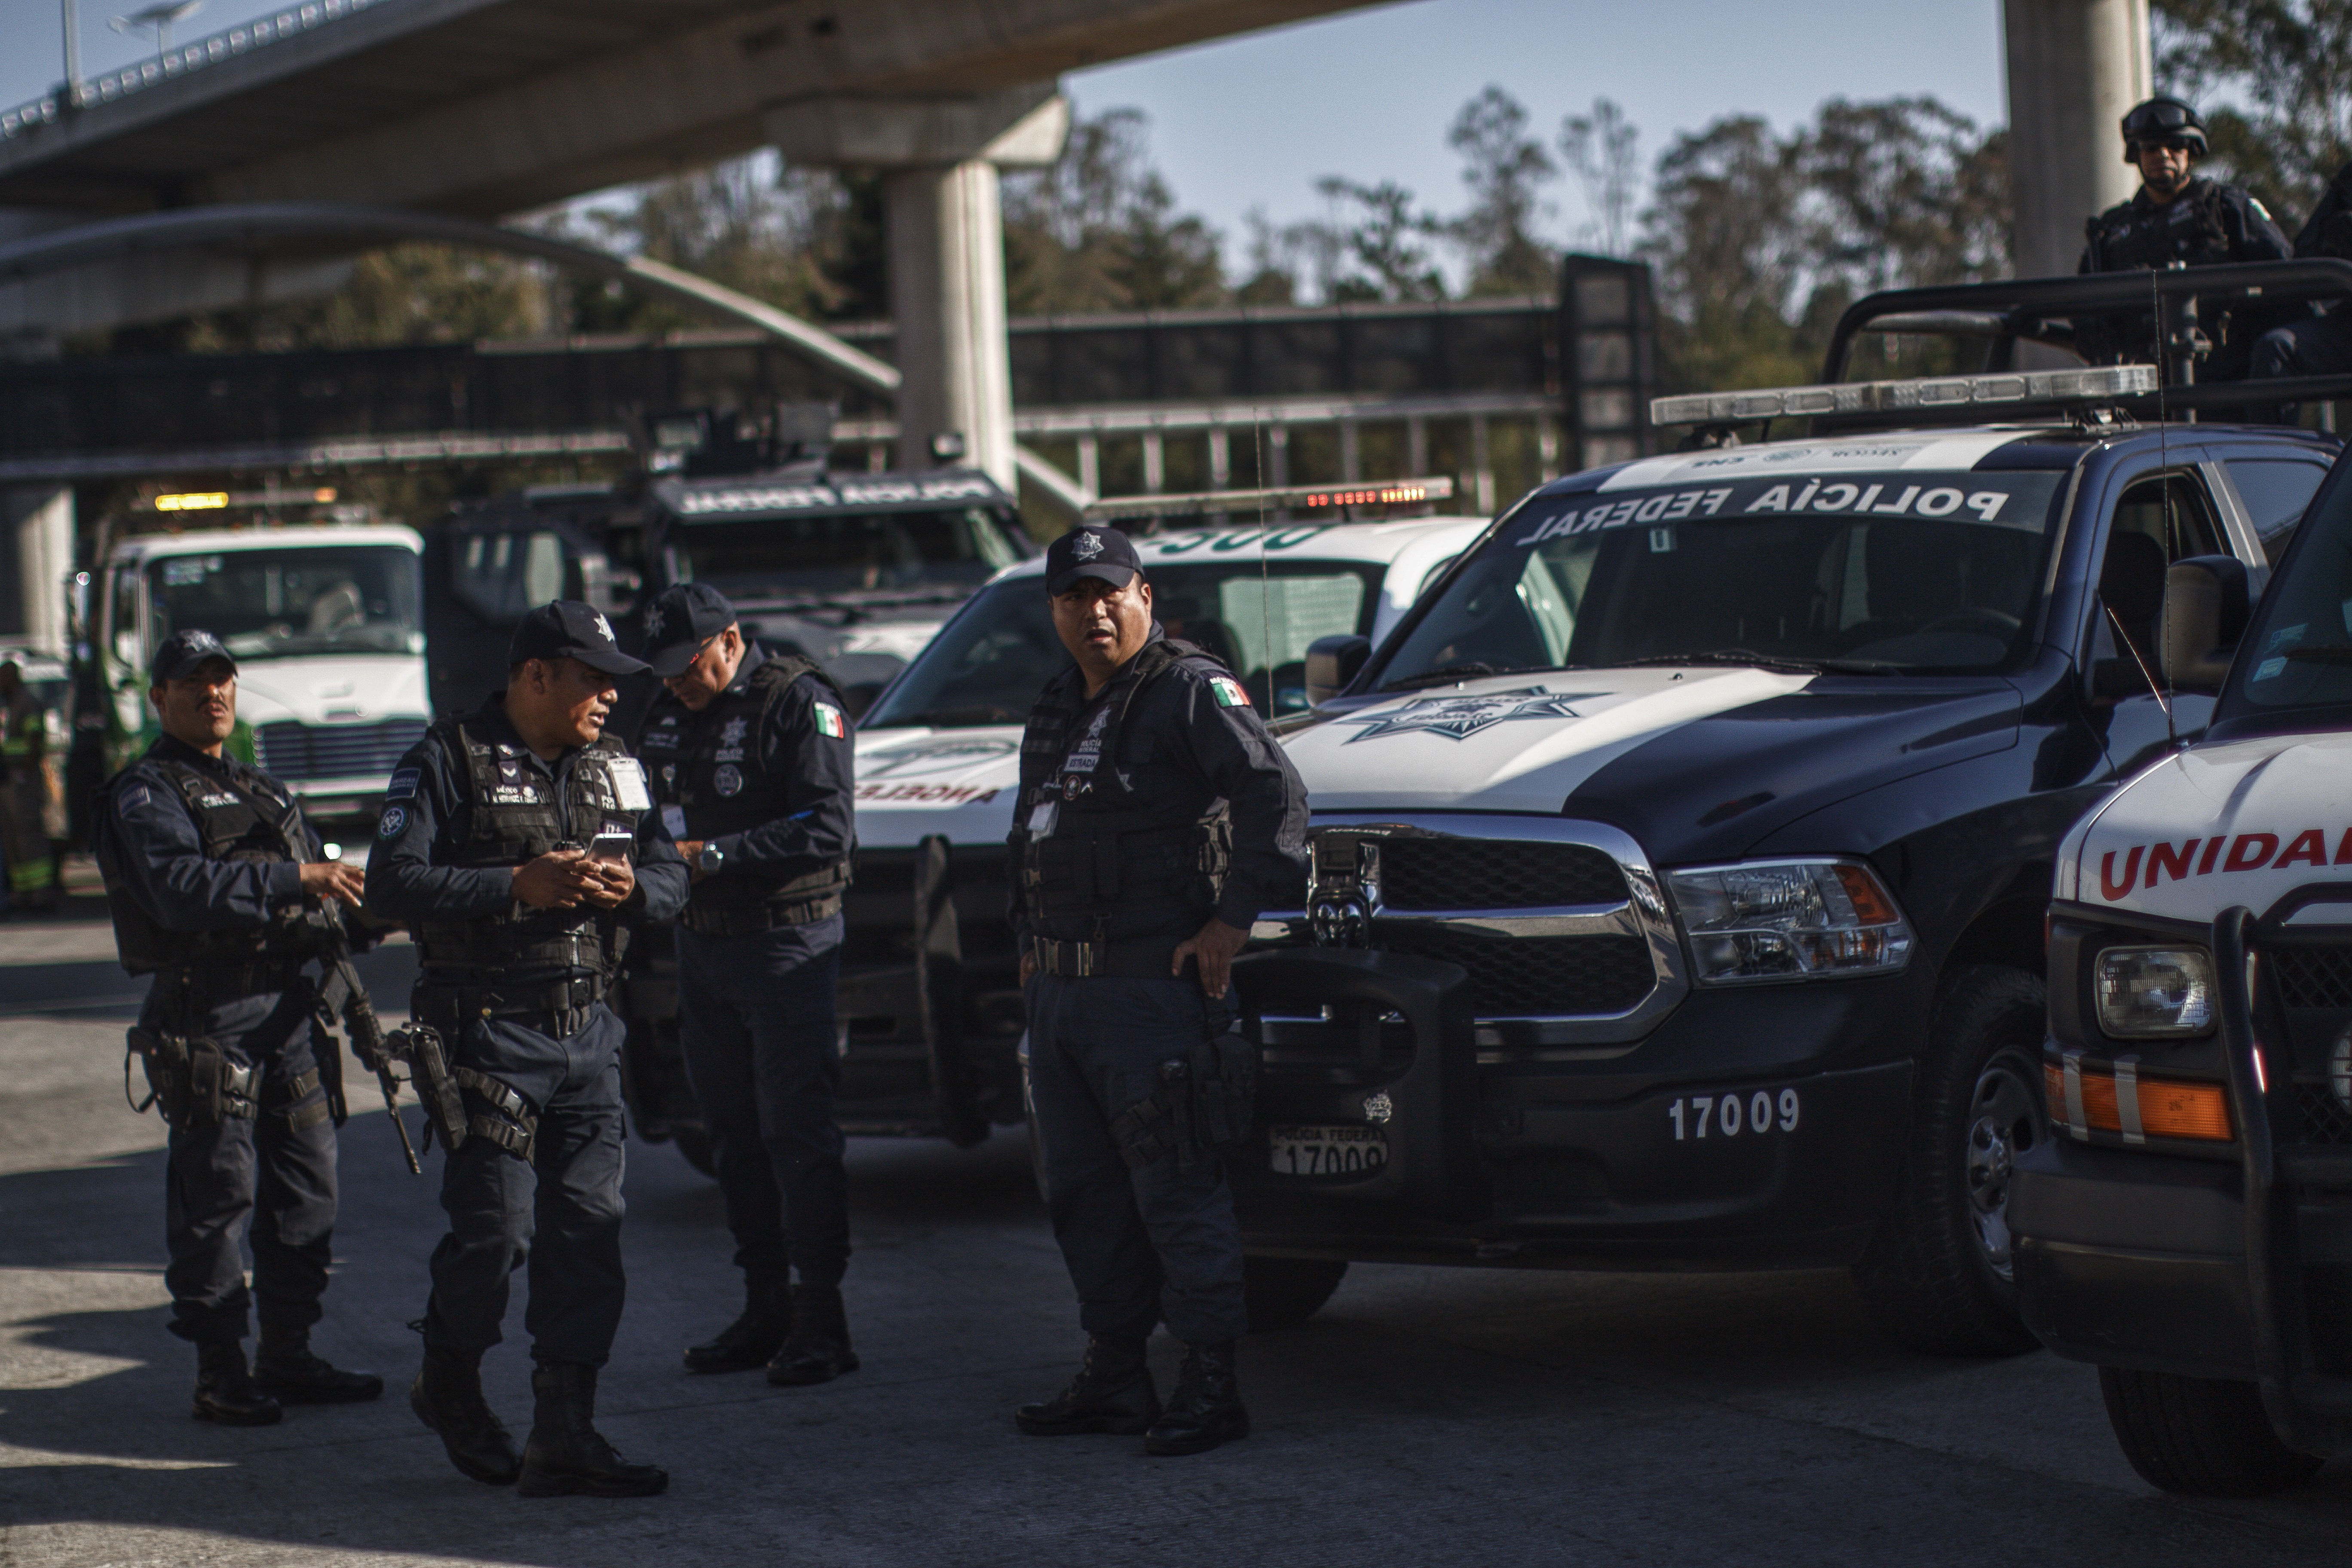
(1229, 691)
(829, 720)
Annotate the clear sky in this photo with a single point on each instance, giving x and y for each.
(1255, 120)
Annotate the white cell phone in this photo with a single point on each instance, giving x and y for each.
(610, 847)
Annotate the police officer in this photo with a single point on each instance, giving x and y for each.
(2318, 345)
(215, 883)
(752, 767)
(1156, 819)
(2175, 218)
(511, 842)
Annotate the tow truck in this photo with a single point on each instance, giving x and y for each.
(2187, 1225)
(1679, 863)
(930, 997)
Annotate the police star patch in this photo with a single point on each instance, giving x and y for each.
(830, 720)
(395, 819)
(1229, 691)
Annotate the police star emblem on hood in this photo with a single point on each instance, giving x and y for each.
(1459, 718)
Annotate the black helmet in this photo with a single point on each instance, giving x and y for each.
(2165, 121)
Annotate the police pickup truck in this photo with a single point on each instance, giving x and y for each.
(1679, 862)
(930, 997)
(2189, 1227)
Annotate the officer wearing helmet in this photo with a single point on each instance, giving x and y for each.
(2178, 217)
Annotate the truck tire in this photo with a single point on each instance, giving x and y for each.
(1284, 1292)
(1938, 1277)
(2199, 1437)
(695, 1144)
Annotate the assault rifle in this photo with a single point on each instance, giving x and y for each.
(342, 995)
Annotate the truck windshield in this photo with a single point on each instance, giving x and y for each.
(989, 664)
(1875, 572)
(282, 603)
(2298, 653)
(817, 560)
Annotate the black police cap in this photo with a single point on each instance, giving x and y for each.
(679, 622)
(2165, 122)
(1103, 554)
(569, 629)
(184, 652)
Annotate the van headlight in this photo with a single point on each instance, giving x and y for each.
(2155, 993)
(1788, 919)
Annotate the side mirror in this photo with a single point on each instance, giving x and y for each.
(1331, 663)
(2206, 607)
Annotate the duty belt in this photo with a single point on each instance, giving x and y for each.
(1145, 960)
(757, 917)
(220, 982)
(459, 1003)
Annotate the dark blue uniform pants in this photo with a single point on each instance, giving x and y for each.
(263, 1173)
(560, 1212)
(1142, 1245)
(757, 1020)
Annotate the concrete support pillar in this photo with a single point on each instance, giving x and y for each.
(39, 539)
(1220, 459)
(1155, 462)
(1481, 466)
(1090, 464)
(1416, 446)
(2075, 68)
(1351, 453)
(947, 297)
(946, 237)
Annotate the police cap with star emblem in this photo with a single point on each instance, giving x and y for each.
(679, 622)
(569, 629)
(186, 651)
(1102, 553)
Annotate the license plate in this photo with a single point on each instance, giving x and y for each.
(1327, 1151)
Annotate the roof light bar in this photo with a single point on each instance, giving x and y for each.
(2097, 383)
(1415, 492)
(216, 501)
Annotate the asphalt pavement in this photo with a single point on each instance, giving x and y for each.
(1426, 1416)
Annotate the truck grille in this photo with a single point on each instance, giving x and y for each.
(2311, 976)
(297, 752)
(2325, 1120)
(1538, 976)
(1494, 874)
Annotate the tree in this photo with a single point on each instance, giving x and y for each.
(1381, 252)
(1505, 168)
(1100, 230)
(1600, 148)
(2282, 70)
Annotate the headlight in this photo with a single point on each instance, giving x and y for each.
(1788, 919)
(2153, 993)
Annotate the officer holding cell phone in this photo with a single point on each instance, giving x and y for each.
(512, 842)
(750, 756)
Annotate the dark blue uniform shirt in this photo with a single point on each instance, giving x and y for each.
(814, 824)
(1179, 751)
(427, 822)
(152, 837)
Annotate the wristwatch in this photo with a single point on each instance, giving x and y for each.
(711, 859)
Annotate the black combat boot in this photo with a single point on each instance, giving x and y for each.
(817, 1350)
(287, 1370)
(751, 1339)
(1206, 1409)
(225, 1388)
(1113, 1393)
(447, 1397)
(566, 1454)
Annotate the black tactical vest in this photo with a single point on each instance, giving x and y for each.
(247, 818)
(708, 765)
(515, 815)
(1102, 851)
(2188, 229)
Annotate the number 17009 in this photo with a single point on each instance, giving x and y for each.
(1730, 1115)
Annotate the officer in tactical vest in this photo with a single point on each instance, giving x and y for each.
(512, 841)
(1156, 819)
(751, 757)
(218, 888)
(2320, 343)
(2175, 218)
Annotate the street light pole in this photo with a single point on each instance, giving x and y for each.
(73, 55)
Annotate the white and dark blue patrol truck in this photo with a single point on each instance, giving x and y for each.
(2188, 1224)
(1680, 861)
